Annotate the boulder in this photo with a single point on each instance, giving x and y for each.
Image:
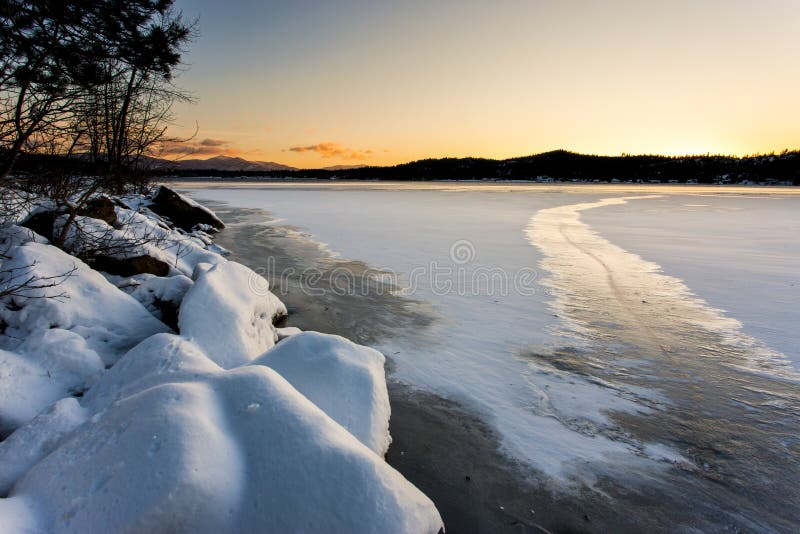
(183, 212)
(229, 312)
(345, 380)
(143, 264)
(42, 223)
(100, 207)
(200, 450)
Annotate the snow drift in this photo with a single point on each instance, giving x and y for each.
(117, 425)
(235, 452)
(84, 302)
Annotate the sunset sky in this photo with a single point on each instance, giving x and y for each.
(319, 83)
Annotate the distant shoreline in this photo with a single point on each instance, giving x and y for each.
(548, 167)
(558, 166)
(212, 182)
(288, 179)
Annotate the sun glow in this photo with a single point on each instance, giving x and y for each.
(384, 85)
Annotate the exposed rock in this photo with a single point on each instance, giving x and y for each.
(100, 207)
(162, 296)
(130, 266)
(183, 212)
(169, 312)
(279, 319)
(42, 223)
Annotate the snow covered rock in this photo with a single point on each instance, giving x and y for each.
(345, 380)
(43, 219)
(242, 451)
(49, 365)
(25, 389)
(159, 359)
(181, 251)
(139, 242)
(182, 211)
(158, 462)
(83, 302)
(316, 476)
(64, 356)
(229, 312)
(32, 442)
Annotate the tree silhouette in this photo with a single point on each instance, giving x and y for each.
(87, 74)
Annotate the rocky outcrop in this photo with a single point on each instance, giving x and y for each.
(183, 212)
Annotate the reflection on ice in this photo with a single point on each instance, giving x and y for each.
(594, 281)
(732, 403)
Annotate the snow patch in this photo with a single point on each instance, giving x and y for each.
(287, 331)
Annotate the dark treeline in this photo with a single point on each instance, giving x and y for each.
(558, 165)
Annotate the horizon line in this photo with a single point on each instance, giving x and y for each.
(557, 150)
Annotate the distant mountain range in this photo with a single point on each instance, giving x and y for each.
(219, 163)
(231, 164)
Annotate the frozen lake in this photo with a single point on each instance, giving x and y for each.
(643, 335)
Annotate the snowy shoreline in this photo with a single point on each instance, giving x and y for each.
(113, 421)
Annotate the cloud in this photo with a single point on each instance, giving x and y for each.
(214, 142)
(205, 147)
(334, 150)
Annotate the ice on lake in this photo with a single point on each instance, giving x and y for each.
(587, 326)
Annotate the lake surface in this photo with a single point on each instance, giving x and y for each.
(641, 344)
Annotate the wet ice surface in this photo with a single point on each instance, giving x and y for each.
(604, 371)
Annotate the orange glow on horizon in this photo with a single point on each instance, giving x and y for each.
(377, 85)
